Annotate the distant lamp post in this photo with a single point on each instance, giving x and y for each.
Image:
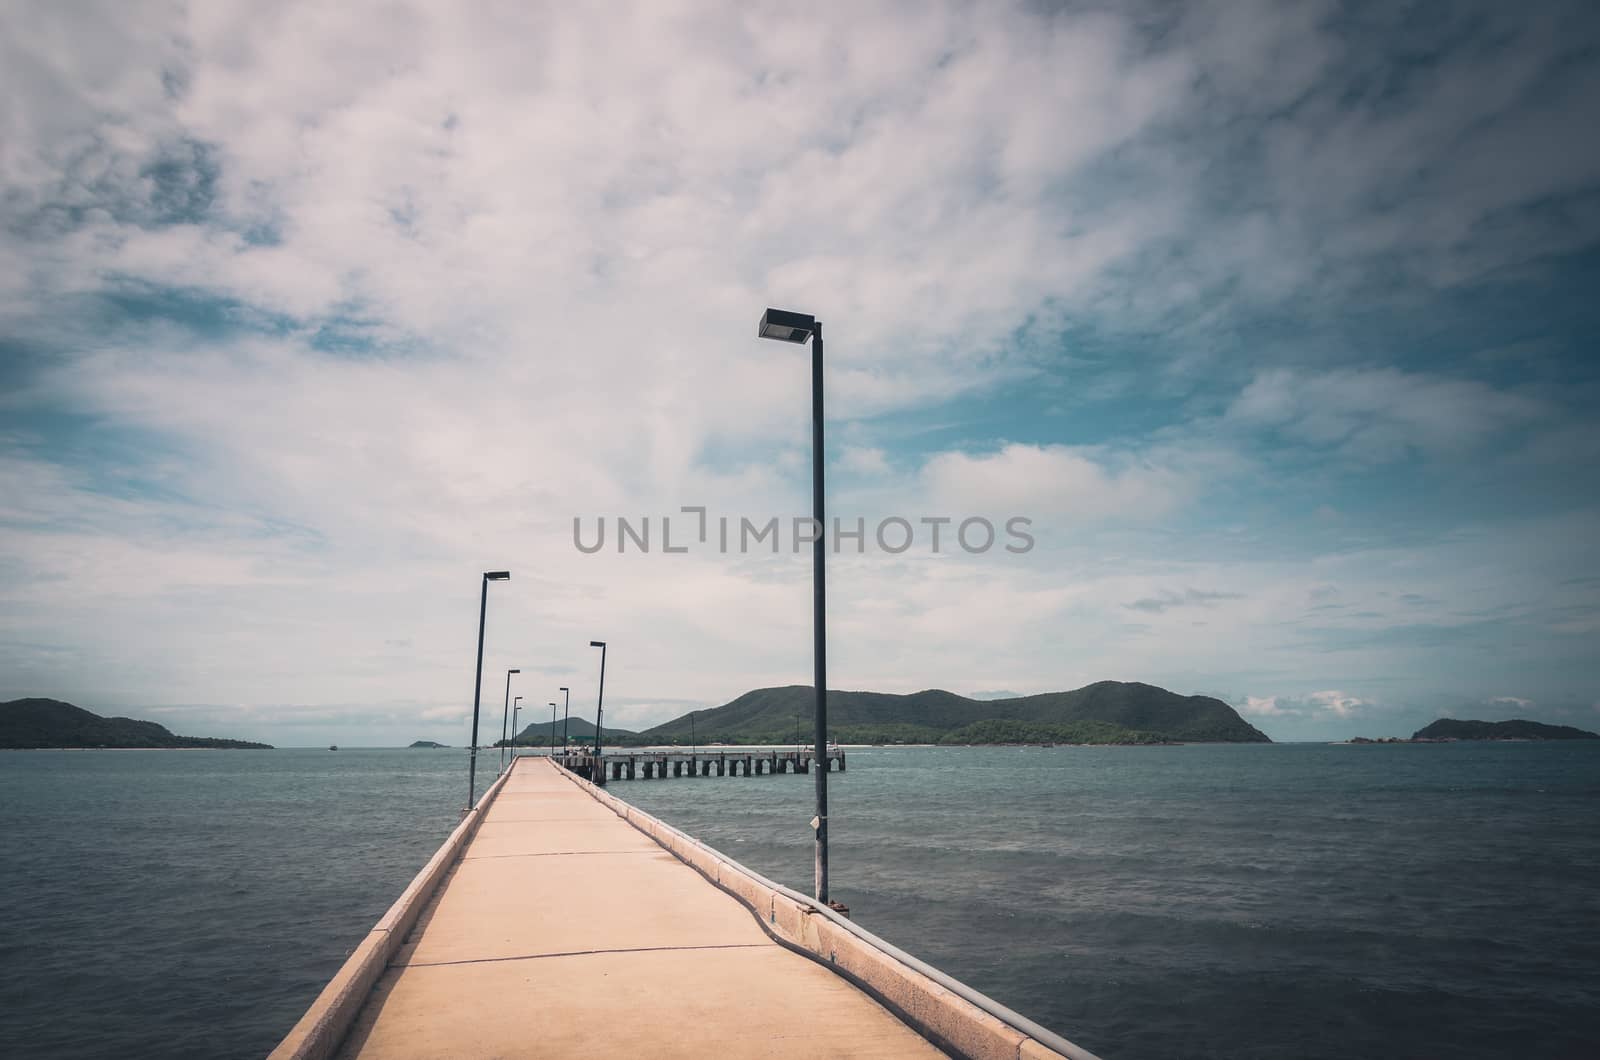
(552, 745)
(694, 747)
(785, 326)
(516, 715)
(477, 684)
(599, 707)
(504, 718)
(566, 711)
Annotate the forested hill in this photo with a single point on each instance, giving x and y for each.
(1514, 729)
(1104, 712)
(35, 723)
(537, 734)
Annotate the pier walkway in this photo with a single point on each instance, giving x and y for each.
(565, 931)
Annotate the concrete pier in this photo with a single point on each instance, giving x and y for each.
(570, 924)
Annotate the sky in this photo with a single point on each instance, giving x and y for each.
(1275, 321)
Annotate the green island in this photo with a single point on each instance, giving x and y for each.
(427, 745)
(1106, 712)
(1512, 729)
(50, 723)
(1453, 730)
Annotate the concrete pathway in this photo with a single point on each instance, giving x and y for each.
(565, 931)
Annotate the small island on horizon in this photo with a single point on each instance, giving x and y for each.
(1453, 730)
(39, 724)
(427, 745)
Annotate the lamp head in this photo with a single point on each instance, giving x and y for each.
(597, 644)
(508, 672)
(785, 326)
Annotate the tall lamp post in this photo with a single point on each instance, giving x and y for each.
(552, 751)
(797, 328)
(477, 683)
(599, 707)
(504, 718)
(694, 747)
(566, 711)
(516, 715)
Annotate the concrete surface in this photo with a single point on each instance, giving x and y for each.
(564, 930)
(326, 1022)
(949, 1015)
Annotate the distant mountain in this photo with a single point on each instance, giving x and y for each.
(1104, 712)
(578, 730)
(428, 744)
(1514, 729)
(36, 723)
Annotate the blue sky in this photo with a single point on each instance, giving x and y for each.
(1276, 320)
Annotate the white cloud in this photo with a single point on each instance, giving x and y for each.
(864, 460)
(1339, 703)
(1260, 706)
(1056, 481)
(1381, 414)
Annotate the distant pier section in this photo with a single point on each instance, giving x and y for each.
(730, 762)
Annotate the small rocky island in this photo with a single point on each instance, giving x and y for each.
(1514, 729)
(428, 744)
(50, 723)
(1451, 730)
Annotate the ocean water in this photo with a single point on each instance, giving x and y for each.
(1235, 901)
(1298, 901)
(194, 903)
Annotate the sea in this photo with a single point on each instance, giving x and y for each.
(1287, 900)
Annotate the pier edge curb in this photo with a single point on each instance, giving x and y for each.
(319, 1033)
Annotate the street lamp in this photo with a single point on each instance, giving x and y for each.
(599, 707)
(552, 751)
(565, 711)
(797, 328)
(694, 748)
(516, 713)
(477, 683)
(505, 717)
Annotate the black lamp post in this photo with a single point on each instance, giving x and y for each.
(694, 747)
(797, 328)
(477, 683)
(504, 718)
(516, 714)
(599, 707)
(552, 751)
(566, 710)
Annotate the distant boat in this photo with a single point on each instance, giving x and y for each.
(333, 747)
